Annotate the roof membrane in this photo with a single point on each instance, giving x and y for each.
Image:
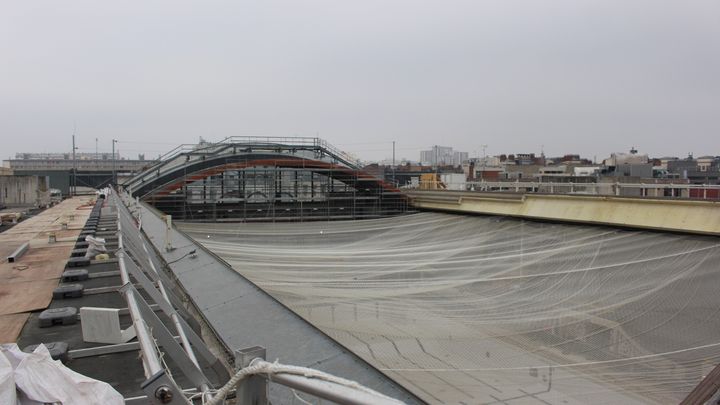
(469, 309)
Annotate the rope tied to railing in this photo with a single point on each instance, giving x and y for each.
(263, 367)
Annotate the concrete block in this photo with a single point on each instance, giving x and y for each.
(78, 262)
(58, 316)
(58, 350)
(68, 291)
(74, 275)
(78, 253)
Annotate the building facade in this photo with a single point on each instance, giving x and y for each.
(443, 156)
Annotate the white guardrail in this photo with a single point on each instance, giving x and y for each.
(673, 190)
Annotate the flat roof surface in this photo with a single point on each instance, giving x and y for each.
(27, 284)
(243, 316)
(470, 309)
(122, 369)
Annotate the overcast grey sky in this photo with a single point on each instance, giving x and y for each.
(578, 76)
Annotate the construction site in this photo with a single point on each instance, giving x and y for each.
(255, 249)
(265, 179)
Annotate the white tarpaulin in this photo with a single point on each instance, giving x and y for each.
(37, 378)
(7, 382)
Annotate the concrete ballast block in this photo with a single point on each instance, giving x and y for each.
(58, 316)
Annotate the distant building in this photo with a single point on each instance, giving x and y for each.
(586, 170)
(442, 156)
(489, 173)
(522, 172)
(454, 181)
(553, 171)
(487, 161)
(663, 161)
(618, 159)
(707, 163)
(525, 158)
(522, 159)
(459, 158)
(703, 170)
(124, 165)
(573, 160)
(628, 165)
(92, 170)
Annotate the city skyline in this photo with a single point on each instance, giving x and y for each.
(414, 154)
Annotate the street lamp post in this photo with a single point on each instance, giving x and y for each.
(73, 183)
(114, 175)
(393, 165)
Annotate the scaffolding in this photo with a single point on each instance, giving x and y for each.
(273, 179)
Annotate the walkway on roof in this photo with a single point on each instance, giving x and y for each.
(27, 284)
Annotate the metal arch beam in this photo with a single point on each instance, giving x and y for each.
(243, 145)
(202, 169)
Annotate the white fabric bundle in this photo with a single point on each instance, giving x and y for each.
(35, 378)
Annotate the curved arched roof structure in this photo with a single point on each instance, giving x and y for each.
(188, 166)
(199, 170)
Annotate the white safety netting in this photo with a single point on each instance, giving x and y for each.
(463, 309)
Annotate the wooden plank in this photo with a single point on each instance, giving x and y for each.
(26, 296)
(11, 326)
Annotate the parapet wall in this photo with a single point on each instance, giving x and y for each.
(701, 217)
(24, 191)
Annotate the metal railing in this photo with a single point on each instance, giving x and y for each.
(149, 357)
(659, 190)
(136, 260)
(189, 153)
(158, 281)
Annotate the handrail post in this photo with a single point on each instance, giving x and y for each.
(252, 390)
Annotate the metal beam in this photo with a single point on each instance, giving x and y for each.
(151, 362)
(165, 339)
(18, 252)
(108, 349)
(187, 335)
(102, 274)
(254, 389)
